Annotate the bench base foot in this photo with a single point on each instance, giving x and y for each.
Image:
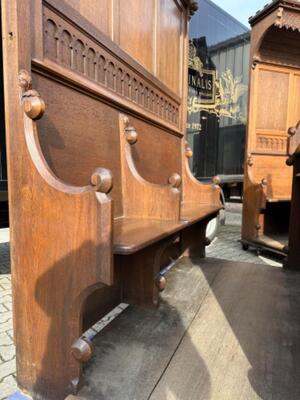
(140, 272)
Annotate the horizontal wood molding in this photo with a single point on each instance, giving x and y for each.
(86, 51)
(70, 78)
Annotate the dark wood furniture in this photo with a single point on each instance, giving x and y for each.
(293, 259)
(101, 196)
(274, 106)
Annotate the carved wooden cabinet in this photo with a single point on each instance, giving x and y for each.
(274, 106)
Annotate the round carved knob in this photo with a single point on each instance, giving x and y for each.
(188, 152)
(33, 104)
(82, 350)
(292, 131)
(250, 161)
(216, 180)
(175, 180)
(102, 180)
(290, 161)
(160, 283)
(131, 135)
(264, 182)
(207, 241)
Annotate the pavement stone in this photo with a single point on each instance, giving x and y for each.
(225, 246)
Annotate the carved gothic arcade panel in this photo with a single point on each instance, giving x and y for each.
(71, 47)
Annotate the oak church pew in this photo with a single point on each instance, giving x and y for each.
(273, 107)
(101, 196)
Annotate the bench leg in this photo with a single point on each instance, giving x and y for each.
(194, 241)
(140, 274)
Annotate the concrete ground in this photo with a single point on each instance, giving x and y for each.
(225, 246)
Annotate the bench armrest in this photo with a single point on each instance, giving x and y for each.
(142, 199)
(195, 191)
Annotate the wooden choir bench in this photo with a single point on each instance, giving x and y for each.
(273, 107)
(101, 196)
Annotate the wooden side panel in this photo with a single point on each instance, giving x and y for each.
(277, 174)
(169, 44)
(159, 163)
(272, 100)
(136, 30)
(98, 12)
(296, 101)
(78, 134)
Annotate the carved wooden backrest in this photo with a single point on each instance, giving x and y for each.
(89, 64)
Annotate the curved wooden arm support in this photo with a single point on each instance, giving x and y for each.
(195, 191)
(142, 199)
(71, 198)
(64, 244)
(255, 201)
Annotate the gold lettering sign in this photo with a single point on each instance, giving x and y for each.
(215, 95)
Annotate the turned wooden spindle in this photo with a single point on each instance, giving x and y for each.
(161, 283)
(175, 180)
(102, 180)
(131, 135)
(82, 350)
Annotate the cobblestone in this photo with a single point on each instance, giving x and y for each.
(225, 246)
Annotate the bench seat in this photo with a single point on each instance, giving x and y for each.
(132, 235)
(192, 213)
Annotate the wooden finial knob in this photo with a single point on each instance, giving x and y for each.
(207, 241)
(102, 179)
(131, 135)
(160, 283)
(292, 131)
(188, 152)
(82, 350)
(216, 180)
(33, 104)
(290, 161)
(264, 182)
(25, 80)
(175, 180)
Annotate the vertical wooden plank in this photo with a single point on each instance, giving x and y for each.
(95, 11)
(137, 30)
(169, 54)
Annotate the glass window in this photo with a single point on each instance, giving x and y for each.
(219, 54)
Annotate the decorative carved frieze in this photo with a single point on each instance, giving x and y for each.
(70, 47)
(271, 144)
(287, 19)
